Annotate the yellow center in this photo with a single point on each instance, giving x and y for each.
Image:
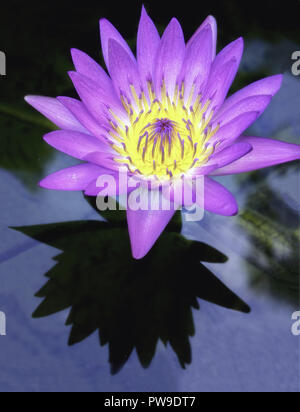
(165, 138)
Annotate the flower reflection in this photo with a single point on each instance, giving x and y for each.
(132, 304)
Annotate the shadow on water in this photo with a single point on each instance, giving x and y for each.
(133, 304)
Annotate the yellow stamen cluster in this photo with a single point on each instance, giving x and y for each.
(165, 138)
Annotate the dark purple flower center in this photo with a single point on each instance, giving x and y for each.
(163, 130)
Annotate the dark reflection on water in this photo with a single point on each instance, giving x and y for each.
(131, 303)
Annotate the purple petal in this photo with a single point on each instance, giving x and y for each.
(121, 188)
(85, 65)
(197, 62)
(145, 227)
(268, 86)
(218, 85)
(75, 144)
(210, 22)
(55, 112)
(124, 72)
(203, 170)
(170, 58)
(232, 130)
(105, 160)
(97, 100)
(217, 199)
(230, 154)
(181, 192)
(108, 32)
(265, 153)
(250, 104)
(73, 179)
(78, 109)
(233, 50)
(148, 41)
(227, 60)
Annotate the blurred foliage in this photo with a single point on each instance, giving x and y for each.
(23, 151)
(133, 304)
(272, 227)
(261, 176)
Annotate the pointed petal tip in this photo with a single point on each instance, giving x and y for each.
(76, 53)
(144, 11)
(63, 98)
(230, 210)
(33, 99)
(211, 20)
(272, 84)
(74, 76)
(138, 249)
(233, 212)
(145, 227)
(233, 50)
(40, 184)
(175, 22)
(239, 43)
(218, 199)
(278, 78)
(72, 179)
(48, 184)
(44, 184)
(211, 17)
(47, 137)
(174, 26)
(266, 153)
(138, 254)
(73, 50)
(104, 21)
(141, 249)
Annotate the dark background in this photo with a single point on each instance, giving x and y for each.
(37, 37)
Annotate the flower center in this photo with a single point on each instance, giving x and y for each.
(165, 138)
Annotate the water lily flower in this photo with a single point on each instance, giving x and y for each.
(161, 116)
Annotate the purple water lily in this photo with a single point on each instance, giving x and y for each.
(159, 117)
